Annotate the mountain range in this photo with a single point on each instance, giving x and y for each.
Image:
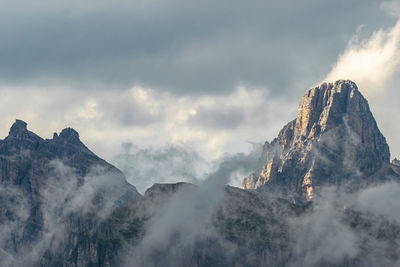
(320, 195)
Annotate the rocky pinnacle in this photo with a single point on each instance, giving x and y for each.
(333, 140)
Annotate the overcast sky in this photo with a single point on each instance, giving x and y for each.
(208, 75)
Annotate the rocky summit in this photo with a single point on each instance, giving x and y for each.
(41, 181)
(334, 140)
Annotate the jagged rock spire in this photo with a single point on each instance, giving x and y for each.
(332, 104)
(333, 139)
(69, 135)
(19, 131)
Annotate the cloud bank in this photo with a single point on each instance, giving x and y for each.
(372, 62)
(183, 47)
(210, 125)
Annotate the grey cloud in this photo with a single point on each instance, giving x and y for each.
(381, 200)
(127, 111)
(218, 117)
(340, 227)
(186, 219)
(144, 167)
(321, 236)
(182, 46)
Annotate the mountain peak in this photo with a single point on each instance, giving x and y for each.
(333, 140)
(18, 127)
(19, 131)
(69, 134)
(323, 107)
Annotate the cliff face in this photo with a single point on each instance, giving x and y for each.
(47, 185)
(334, 140)
(32, 164)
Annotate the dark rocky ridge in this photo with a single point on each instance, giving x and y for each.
(42, 172)
(24, 150)
(334, 140)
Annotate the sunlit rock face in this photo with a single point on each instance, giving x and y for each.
(333, 141)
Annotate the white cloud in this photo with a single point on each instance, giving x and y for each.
(381, 200)
(370, 63)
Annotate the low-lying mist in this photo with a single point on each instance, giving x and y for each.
(206, 224)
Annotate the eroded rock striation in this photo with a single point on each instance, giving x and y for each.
(334, 140)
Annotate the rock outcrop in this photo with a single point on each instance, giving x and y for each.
(28, 161)
(333, 141)
(44, 182)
